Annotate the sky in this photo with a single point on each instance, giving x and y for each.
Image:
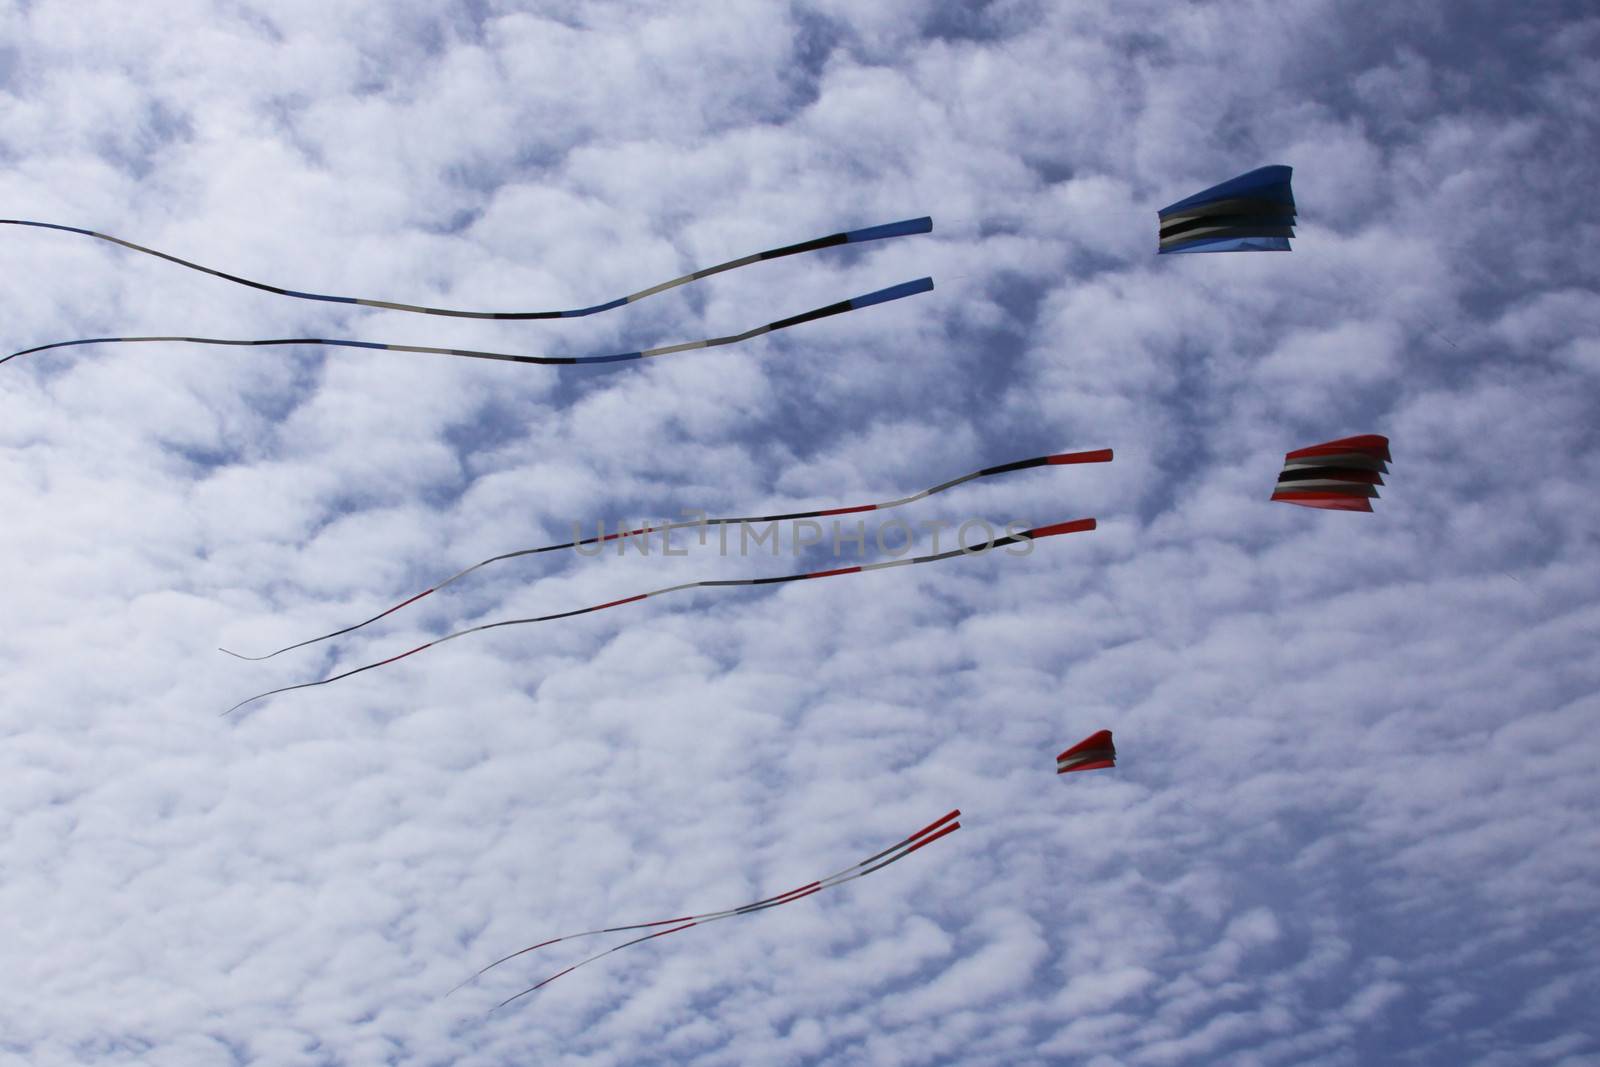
(1353, 819)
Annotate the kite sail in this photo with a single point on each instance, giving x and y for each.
(899, 851)
(1092, 753)
(1101, 455)
(1341, 475)
(1074, 526)
(904, 228)
(882, 296)
(1251, 213)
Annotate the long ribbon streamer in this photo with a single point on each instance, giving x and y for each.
(1075, 526)
(882, 296)
(904, 228)
(898, 851)
(1101, 455)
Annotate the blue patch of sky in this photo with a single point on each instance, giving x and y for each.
(980, 21)
(10, 64)
(140, 150)
(816, 36)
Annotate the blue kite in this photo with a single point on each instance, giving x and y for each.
(1251, 213)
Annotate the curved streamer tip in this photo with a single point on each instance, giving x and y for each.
(459, 986)
(241, 655)
(952, 828)
(242, 703)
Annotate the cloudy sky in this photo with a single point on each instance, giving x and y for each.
(1354, 820)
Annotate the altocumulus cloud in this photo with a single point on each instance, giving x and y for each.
(1353, 818)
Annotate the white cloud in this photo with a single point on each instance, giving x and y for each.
(1349, 823)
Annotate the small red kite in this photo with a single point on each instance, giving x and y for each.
(1092, 753)
(1341, 475)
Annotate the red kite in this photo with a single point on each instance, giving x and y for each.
(1092, 753)
(1340, 475)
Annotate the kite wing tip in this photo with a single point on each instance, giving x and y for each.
(1098, 739)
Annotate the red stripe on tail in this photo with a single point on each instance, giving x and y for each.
(1099, 455)
(547, 981)
(1075, 526)
(952, 828)
(640, 926)
(807, 888)
(628, 533)
(664, 933)
(541, 944)
(932, 826)
(401, 656)
(807, 893)
(624, 600)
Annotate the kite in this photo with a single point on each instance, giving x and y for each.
(1092, 753)
(1102, 455)
(1251, 213)
(1341, 475)
(899, 851)
(905, 228)
(882, 296)
(1074, 526)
